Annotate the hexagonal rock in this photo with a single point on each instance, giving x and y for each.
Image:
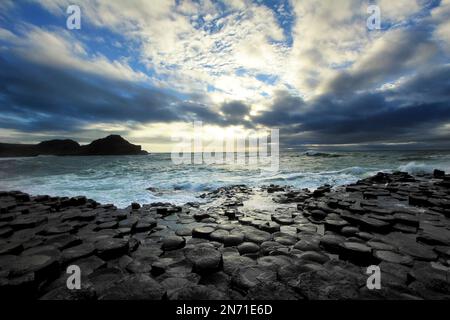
(77, 252)
(248, 247)
(248, 277)
(432, 279)
(233, 239)
(143, 226)
(418, 251)
(324, 285)
(318, 214)
(375, 225)
(202, 232)
(111, 248)
(184, 232)
(173, 243)
(283, 219)
(434, 235)
(356, 252)
(270, 226)
(407, 219)
(233, 262)
(285, 239)
(43, 266)
(308, 244)
(134, 287)
(196, 292)
(392, 257)
(63, 241)
(274, 262)
(45, 250)
(107, 225)
(10, 247)
(204, 259)
(27, 222)
(377, 245)
(128, 223)
(86, 292)
(331, 242)
(307, 228)
(218, 235)
(335, 225)
(313, 256)
(271, 291)
(256, 236)
(90, 264)
(6, 232)
(174, 283)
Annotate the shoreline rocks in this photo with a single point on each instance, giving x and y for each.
(272, 242)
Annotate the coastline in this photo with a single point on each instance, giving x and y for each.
(272, 242)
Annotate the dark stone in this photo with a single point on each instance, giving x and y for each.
(104, 278)
(357, 253)
(218, 235)
(6, 232)
(438, 174)
(197, 292)
(233, 262)
(135, 287)
(10, 248)
(392, 257)
(86, 292)
(248, 247)
(256, 236)
(332, 243)
(313, 256)
(107, 225)
(271, 291)
(233, 239)
(135, 206)
(325, 285)
(43, 266)
(270, 227)
(248, 277)
(27, 222)
(202, 232)
(372, 224)
(274, 262)
(173, 243)
(77, 252)
(63, 241)
(147, 225)
(111, 248)
(204, 259)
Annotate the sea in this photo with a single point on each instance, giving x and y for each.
(121, 180)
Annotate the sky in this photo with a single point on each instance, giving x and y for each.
(147, 69)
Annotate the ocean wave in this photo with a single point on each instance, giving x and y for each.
(420, 168)
(313, 153)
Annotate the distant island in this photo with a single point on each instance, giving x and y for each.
(111, 145)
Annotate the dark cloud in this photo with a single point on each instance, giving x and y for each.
(399, 52)
(36, 97)
(412, 112)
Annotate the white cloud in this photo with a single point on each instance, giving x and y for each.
(440, 17)
(62, 49)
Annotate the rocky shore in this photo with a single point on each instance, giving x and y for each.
(273, 242)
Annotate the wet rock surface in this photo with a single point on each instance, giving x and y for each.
(273, 242)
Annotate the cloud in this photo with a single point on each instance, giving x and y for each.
(310, 68)
(387, 58)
